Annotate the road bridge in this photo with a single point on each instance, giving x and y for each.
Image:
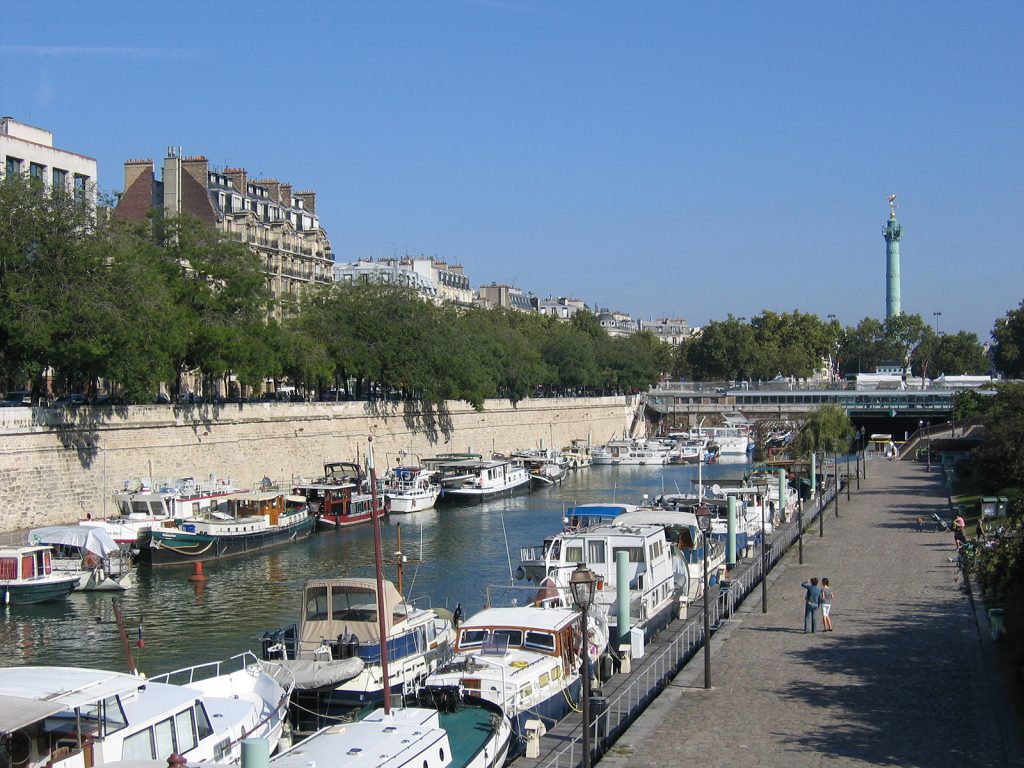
(890, 410)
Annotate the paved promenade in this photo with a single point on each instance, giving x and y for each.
(906, 678)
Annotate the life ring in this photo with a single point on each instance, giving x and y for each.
(520, 664)
(90, 561)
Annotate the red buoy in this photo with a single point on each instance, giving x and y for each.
(197, 574)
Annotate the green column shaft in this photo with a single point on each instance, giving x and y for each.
(255, 753)
(782, 495)
(730, 539)
(814, 475)
(622, 595)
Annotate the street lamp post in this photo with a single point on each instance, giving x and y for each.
(764, 555)
(581, 583)
(936, 315)
(835, 475)
(923, 424)
(847, 475)
(864, 450)
(704, 521)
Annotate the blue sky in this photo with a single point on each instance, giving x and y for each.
(660, 158)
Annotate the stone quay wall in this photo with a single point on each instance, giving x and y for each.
(59, 465)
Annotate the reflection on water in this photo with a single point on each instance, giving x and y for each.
(463, 549)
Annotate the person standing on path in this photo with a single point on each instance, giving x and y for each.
(811, 603)
(826, 605)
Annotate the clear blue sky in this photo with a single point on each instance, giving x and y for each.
(660, 158)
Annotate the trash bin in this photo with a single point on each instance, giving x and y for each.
(599, 714)
(1002, 506)
(995, 620)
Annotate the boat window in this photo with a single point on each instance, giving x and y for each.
(574, 554)
(636, 554)
(203, 726)
(556, 673)
(595, 552)
(542, 640)
(351, 603)
(185, 730)
(138, 746)
(472, 637)
(111, 715)
(512, 636)
(655, 550)
(316, 604)
(545, 680)
(8, 567)
(164, 733)
(526, 690)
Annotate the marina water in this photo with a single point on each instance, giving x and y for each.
(462, 548)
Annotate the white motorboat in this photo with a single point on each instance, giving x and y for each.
(88, 552)
(525, 659)
(27, 576)
(687, 544)
(66, 717)
(143, 504)
(459, 734)
(636, 452)
(546, 467)
(577, 454)
(482, 479)
(409, 488)
(651, 579)
(334, 649)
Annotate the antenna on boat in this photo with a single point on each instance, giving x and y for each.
(511, 578)
(379, 561)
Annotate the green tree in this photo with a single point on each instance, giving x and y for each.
(1008, 347)
(1000, 458)
(725, 349)
(827, 429)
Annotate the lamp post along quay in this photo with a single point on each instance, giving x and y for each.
(704, 521)
(864, 450)
(581, 583)
(764, 555)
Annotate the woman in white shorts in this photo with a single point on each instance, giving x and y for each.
(826, 605)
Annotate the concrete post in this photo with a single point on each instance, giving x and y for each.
(782, 496)
(814, 475)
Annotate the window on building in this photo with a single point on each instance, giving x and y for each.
(80, 186)
(13, 165)
(36, 172)
(60, 179)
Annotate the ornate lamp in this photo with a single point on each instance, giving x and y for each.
(581, 583)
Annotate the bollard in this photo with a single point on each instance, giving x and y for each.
(995, 620)
(255, 753)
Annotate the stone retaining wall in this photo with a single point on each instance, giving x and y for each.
(56, 466)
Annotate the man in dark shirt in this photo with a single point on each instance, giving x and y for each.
(812, 601)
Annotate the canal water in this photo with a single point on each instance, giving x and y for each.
(454, 553)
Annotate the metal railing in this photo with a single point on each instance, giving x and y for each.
(656, 673)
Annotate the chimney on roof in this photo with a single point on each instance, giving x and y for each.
(286, 195)
(273, 189)
(198, 167)
(133, 169)
(239, 178)
(308, 200)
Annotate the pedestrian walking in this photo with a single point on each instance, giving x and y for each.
(826, 605)
(920, 523)
(811, 603)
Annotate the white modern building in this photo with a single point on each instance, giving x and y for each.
(29, 151)
(387, 271)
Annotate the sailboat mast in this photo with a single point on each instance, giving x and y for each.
(379, 560)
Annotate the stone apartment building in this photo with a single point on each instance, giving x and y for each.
(393, 271)
(504, 296)
(669, 330)
(279, 224)
(561, 307)
(28, 150)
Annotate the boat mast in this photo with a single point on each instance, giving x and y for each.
(379, 560)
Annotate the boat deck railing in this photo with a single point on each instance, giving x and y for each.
(624, 697)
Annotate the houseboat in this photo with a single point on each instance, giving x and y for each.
(255, 520)
(339, 498)
(481, 479)
(408, 488)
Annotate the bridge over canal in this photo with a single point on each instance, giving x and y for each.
(683, 404)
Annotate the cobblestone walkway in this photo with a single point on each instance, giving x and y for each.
(904, 680)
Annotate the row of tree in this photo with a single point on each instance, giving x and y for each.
(795, 344)
(138, 305)
(85, 299)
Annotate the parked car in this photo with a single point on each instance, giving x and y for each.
(16, 398)
(70, 401)
(109, 400)
(162, 399)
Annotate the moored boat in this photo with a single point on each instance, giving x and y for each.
(27, 576)
(339, 623)
(67, 717)
(577, 454)
(339, 497)
(87, 552)
(409, 488)
(255, 520)
(523, 658)
(142, 505)
(482, 479)
(633, 452)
